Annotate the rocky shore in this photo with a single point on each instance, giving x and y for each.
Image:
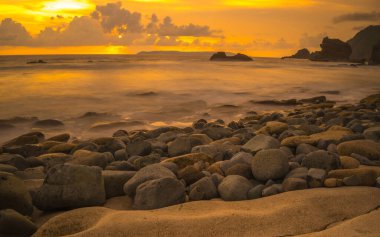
(307, 163)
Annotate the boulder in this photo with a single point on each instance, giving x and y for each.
(14, 194)
(375, 56)
(316, 177)
(189, 159)
(150, 172)
(109, 144)
(305, 149)
(273, 127)
(159, 193)
(222, 56)
(62, 148)
(7, 168)
(114, 181)
(13, 223)
(71, 186)
(321, 160)
(333, 183)
(292, 184)
(139, 148)
(183, 144)
(89, 158)
(367, 148)
(48, 123)
(363, 43)
(64, 137)
(143, 161)
(203, 189)
(25, 139)
(366, 175)
(190, 174)
(15, 160)
(217, 133)
(234, 188)
(353, 180)
(348, 162)
(256, 192)
(260, 142)
(240, 169)
(270, 164)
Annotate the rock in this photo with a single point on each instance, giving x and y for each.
(316, 177)
(62, 148)
(332, 50)
(348, 162)
(46, 123)
(217, 133)
(64, 137)
(375, 57)
(367, 176)
(367, 148)
(363, 42)
(372, 100)
(321, 160)
(301, 54)
(203, 189)
(15, 160)
(210, 150)
(171, 166)
(270, 164)
(273, 127)
(217, 179)
(189, 159)
(31, 173)
(88, 146)
(52, 159)
(239, 158)
(13, 223)
(139, 148)
(260, 142)
(372, 133)
(71, 186)
(333, 134)
(378, 182)
(150, 172)
(109, 144)
(256, 192)
(7, 168)
(292, 184)
(222, 56)
(159, 193)
(300, 172)
(190, 174)
(121, 155)
(234, 188)
(333, 183)
(114, 182)
(33, 185)
(121, 165)
(14, 194)
(143, 161)
(89, 158)
(25, 139)
(269, 191)
(364, 160)
(183, 145)
(305, 149)
(352, 180)
(240, 169)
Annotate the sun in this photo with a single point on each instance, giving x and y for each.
(62, 5)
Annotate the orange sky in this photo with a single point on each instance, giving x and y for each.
(256, 27)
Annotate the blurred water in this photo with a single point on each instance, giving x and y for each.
(167, 89)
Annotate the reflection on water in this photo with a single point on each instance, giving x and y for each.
(170, 90)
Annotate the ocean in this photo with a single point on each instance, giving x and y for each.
(153, 90)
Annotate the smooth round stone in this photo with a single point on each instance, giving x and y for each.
(270, 164)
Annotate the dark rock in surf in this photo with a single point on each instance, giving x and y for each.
(222, 56)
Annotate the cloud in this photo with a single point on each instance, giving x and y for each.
(13, 33)
(311, 41)
(358, 16)
(167, 28)
(113, 16)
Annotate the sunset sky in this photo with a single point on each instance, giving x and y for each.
(256, 27)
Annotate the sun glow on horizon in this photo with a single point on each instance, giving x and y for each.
(62, 5)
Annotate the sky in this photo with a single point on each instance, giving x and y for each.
(271, 28)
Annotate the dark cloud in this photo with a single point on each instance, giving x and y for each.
(358, 16)
(113, 16)
(13, 33)
(168, 28)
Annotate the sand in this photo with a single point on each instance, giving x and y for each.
(291, 213)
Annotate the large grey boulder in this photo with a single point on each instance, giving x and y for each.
(159, 193)
(14, 194)
(234, 188)
(270, 164)
(183, 144)
(321, 160)
(260, 142)
(150, 172)
(203, 189)
(114, 181)
(89, 158)
(71, 186)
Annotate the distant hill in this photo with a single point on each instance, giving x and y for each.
(363, 42)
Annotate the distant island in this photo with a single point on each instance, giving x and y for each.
(222, 56)
(363, 47)
(174, 53)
